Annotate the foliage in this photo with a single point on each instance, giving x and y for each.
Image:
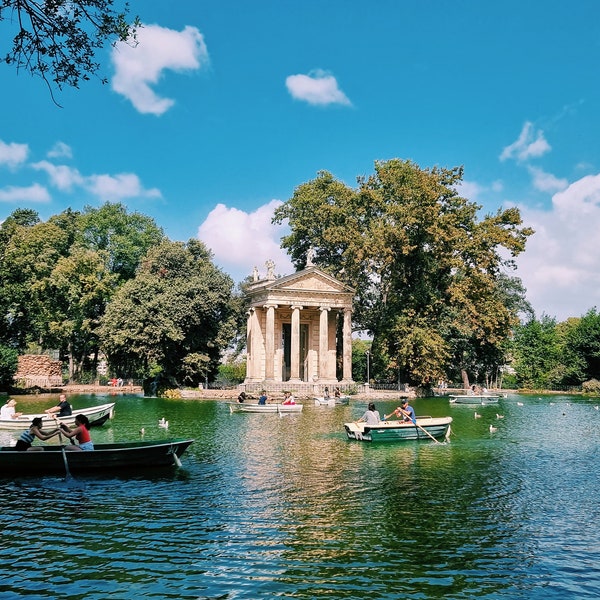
(591, 387)
(8, 365)
(429, 275)
(57, 40)
(172, 321)
(360, 348)
(231, 373)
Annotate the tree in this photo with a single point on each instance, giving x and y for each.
(582, 341)
(172, 321)
(58, 39)
(8, 366)
(427, 271)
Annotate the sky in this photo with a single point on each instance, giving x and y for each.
(224, 108)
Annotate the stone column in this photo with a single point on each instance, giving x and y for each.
(347, 346)
(250, 357)
(295, 344)
(270, 342)
(324, 342)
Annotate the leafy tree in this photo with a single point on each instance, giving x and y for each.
(582, 340)
(428, 273)
(8, 366)
(537, 351)
(57, 40)
(172, 320)
(126, 237)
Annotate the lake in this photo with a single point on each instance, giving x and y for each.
(286, 507)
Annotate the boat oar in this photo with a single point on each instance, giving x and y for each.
(421, 428)
(64, 455)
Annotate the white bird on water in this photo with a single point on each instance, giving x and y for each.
(519, 404)
(142, 432)
(493, 429)
(164, 424)
(477, 415)
(499, 416)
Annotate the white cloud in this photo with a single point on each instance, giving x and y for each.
(560, 265)
(115, 187)
(60, 150)
(61, 176)
(530, 144)
(32, 193)
(546, 182)
(158, 49)
(240, 240)
(318, 87)
(13, 154)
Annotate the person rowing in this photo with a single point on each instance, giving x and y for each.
(404, 412)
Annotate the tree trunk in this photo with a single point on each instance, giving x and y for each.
(465, 378)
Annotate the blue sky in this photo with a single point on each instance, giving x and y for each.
(224, 108)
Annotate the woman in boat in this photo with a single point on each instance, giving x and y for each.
(81, 431)
(8, 410)
(242, 397)
(35, 431)
(326, 393)
(371, 416)
(288, 398)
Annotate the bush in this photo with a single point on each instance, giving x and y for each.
(591, 387)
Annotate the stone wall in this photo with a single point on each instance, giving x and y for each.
(38, 370)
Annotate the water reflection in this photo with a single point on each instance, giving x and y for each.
(276, 506)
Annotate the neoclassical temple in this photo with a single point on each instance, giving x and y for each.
(293, 325)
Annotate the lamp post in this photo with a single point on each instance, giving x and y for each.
(368, 354)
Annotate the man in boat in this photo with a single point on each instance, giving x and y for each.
(63, 408)
(262, 400)
(404, 412)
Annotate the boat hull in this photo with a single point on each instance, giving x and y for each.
(477, 399)
(93, 413)
(343, 400)
(265, 408)
(398, 431)
(104, 457)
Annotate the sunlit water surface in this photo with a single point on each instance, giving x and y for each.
(287, 507)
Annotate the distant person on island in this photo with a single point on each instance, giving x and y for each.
(35, 431)
(262, 398)
(8, 410)
(371, 416)
(63, 408)
(288, 398)
(405, 412)
(81, 432)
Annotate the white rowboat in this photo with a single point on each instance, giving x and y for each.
(91, 412)
(245, 407)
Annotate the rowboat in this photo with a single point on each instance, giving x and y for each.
(321, 401)
(103, 457)
(92, 413)
(400, 431)
(265, 408)
(475, 398)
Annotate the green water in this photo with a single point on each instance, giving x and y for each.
(286, 507)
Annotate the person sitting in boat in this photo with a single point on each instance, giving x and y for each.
(35, 431)
(81, 431)
(326, 393)
(371, 416)
(288, 398)
(405, 412)
(242, 397)
(262, 399)
(8, 410)
(63, 408)
(337, 392)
